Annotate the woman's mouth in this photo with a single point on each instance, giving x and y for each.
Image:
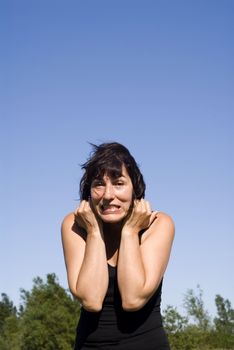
(110, 209)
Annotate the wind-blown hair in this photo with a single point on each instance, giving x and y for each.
(109, 158)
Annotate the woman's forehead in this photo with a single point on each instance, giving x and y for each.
(112, 173)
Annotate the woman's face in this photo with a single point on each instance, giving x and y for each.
(112, 197)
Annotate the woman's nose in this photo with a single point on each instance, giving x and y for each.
(109, 192)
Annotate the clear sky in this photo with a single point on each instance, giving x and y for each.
(154, 75)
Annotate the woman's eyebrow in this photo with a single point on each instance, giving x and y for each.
(97, 180)
(118, 177)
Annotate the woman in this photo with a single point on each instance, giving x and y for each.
(116, 251)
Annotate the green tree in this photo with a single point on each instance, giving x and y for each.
(181, 334)
(194, 306)
(9, 324)
(6, 309)
(175, 326)
(173, 321)
(49, 315)
(199, 331)
(224, 324)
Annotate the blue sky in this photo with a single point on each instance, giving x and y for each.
(156, 76)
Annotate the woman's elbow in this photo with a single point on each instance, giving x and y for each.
(92, 306)
(88, 304)
(133, 305)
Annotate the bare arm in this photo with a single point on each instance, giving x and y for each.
(141, 266)
(86, 261)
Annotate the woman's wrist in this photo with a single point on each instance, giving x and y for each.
(96, 233)
(129, 232)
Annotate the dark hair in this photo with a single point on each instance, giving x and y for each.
(109, 158)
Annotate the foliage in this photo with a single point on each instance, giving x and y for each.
(202, 334)
(224, 323)
(48, 315)
(47, 319)
(8, 324)
(175, 326)
(7, 309)
(194, 306)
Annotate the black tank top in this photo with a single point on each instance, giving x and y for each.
(113, 328)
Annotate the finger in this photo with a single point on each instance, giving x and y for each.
(76, 210)
(143, 206)
(148, 207)
(79, 209)
(138, 205)
(136, 202)
(82, 204)
(86, 205)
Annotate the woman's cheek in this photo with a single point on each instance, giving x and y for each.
(95, 194)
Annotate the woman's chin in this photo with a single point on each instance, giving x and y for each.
(111, 219)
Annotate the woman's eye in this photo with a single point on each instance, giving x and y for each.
(97, 184)
(119, 183)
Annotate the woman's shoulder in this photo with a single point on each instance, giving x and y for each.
(69, 225)
(162, 217)
(162, 225)
(68, 220)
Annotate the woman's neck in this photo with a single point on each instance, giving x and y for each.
(112, 236)
(112, 228)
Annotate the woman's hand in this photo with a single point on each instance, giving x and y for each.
(140, 217)
(86, 218)
(85, 256)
